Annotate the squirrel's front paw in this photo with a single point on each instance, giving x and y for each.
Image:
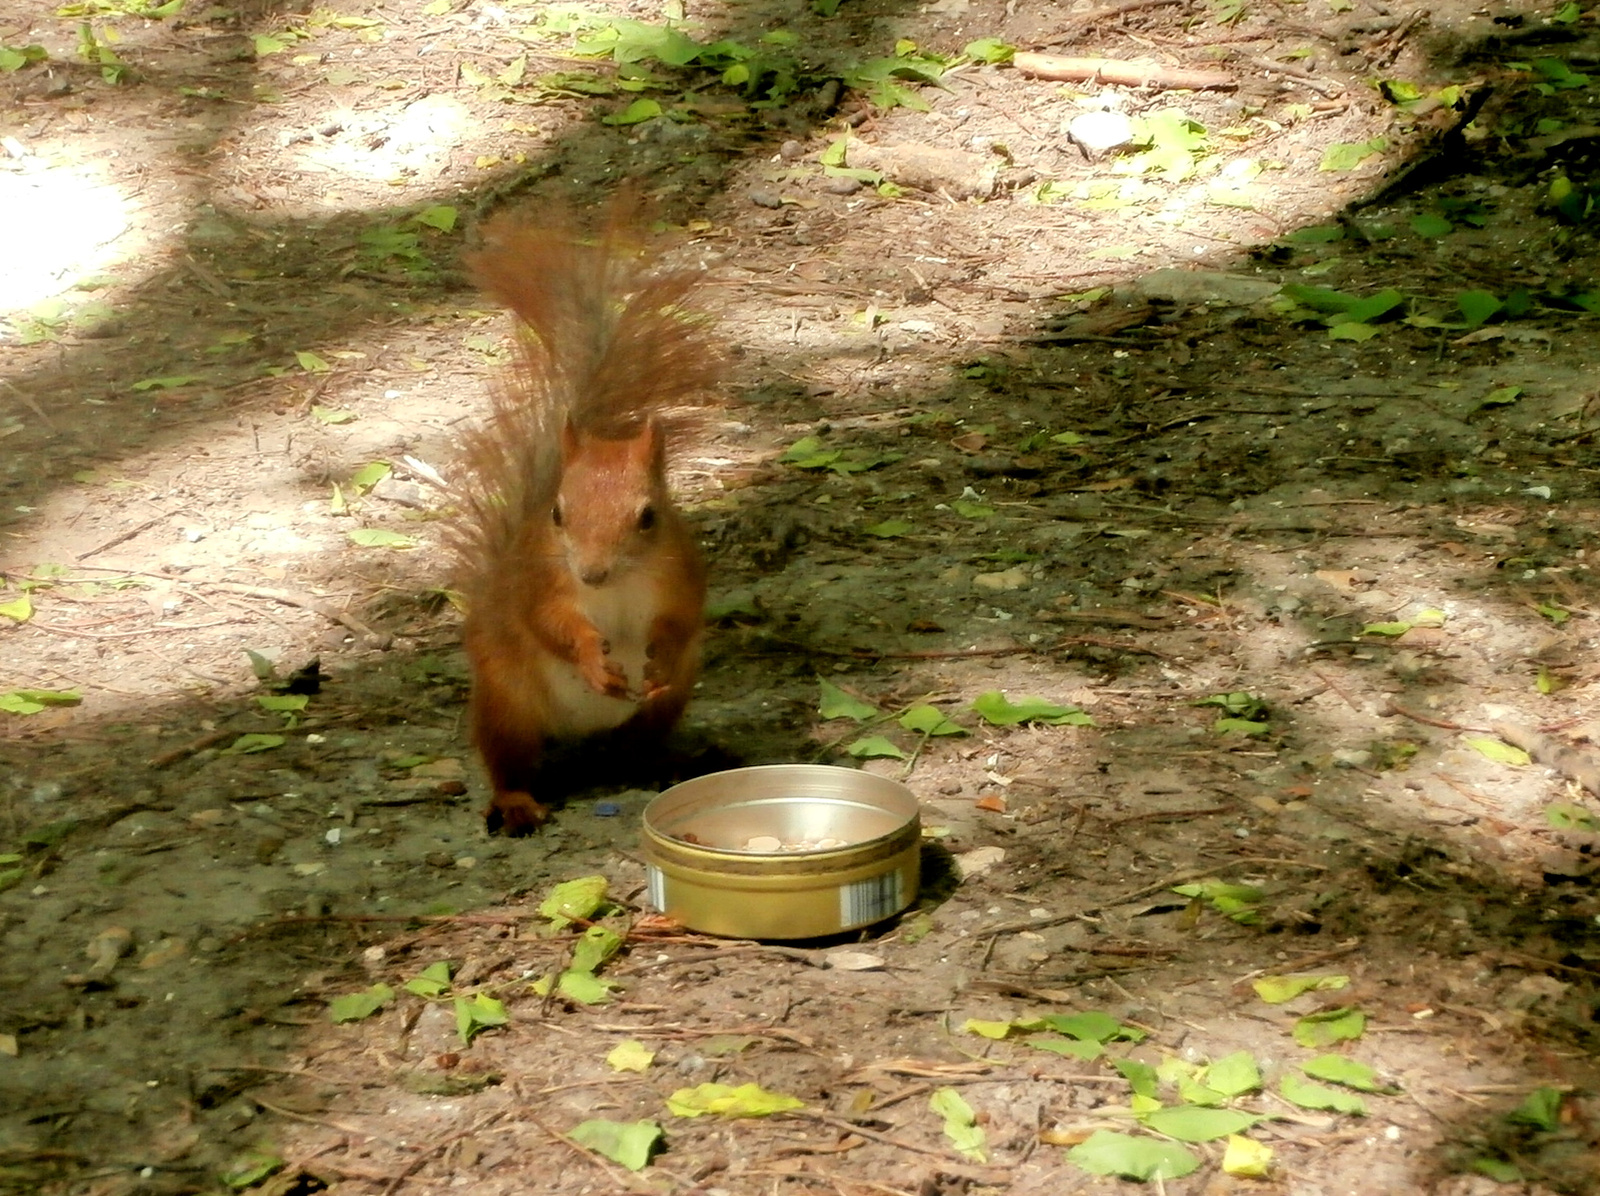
(656, 683)
(601, 674)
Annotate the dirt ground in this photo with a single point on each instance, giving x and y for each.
(1073, 442)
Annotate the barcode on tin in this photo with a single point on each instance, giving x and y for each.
(870, 900)
(655, 888)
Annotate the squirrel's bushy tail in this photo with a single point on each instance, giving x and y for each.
(604, 345)
(604, 340)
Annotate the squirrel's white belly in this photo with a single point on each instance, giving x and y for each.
(623, 616)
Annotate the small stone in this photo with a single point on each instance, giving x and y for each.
(843, 185)
(792, 150)
(765, 199)
(1007, 579)
(1100, 132)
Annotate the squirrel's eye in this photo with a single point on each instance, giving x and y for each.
(555, 514)
(647, 519)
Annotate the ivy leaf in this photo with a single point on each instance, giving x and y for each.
(988, 49)
(1072, 1048)
(630, 1143)
(889, 528)
(1568, 816)
(930, 720)
(248, 745)
(443, 216)
(996, 709)
(1347, 155)
(1541, 1109)
(596, 945)
(1276, 990)
(1246, 1158)
(875, 747)
(574, 900)
(585, 988)
(1234, 1075)
(379, 537)
(987, 1029)
(369, 475)
(352, 1007)
(1478, 307)
(478, 1013)
(636, 113)
(1326, 1028)
(1500, 753)
(1141, 1077)
(1350, 1072)
(1191, 1123)
(432, 981)
(1092, 1026)
(747, 1100)
(630, 1055)
(1309, 1095)
(960, 1123)
(1105, 1152)
(836, 703)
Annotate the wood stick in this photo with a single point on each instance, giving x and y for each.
(1128, 74)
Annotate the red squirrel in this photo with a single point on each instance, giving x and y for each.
(583, 585)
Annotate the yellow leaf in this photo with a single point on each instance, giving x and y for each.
(1246, 1158)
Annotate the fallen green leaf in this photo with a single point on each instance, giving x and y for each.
(960, 1124)
(630, 1143)
(722, 1100)
(1541, 1109)
(1141, 1077)
(1108, 1153)
(930, 720)
(1498, 751)
(352, 1007)
(994, 708)
(594, 946)
(584, 987)
(1092, 1025)
(379, 537)
(1072, 1048)
(875, 747)
(836, 703)
(630, 1055)
(574, 900)
(432, 981)
(1568, 816)
(1388, 629)
(1352, 1073)
(1275, 990)
(1234, 1075)
(1190, 1123)
(1246, 1158)
(247, 745)
(1309, 1095)
(1331, 1026)
(477, 1013)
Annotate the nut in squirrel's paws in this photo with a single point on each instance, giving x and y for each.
(602, 675)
